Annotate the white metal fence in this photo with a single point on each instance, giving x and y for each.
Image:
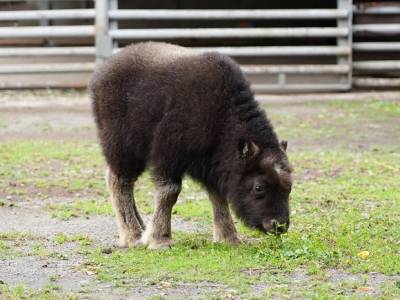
(326, 67)
(340, 70)
(377, 34)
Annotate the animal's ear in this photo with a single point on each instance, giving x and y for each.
(284, 145)
(247, 149)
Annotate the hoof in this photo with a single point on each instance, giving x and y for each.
(150, 239)
(233, 240)
(129, 242)
(163, 244)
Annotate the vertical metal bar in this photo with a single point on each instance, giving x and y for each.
(102, 38)
(114, 23)
(43, 5)
(346, 41)
(282, 80)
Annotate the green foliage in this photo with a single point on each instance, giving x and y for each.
(80, 208)
(80, 238)
(48, 292)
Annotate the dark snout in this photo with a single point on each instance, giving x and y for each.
(275, 226)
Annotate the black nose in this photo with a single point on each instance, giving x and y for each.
(273, 226)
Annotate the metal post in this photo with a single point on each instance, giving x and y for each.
(43, 5)
(346, 41)
(102, 38)
(114, 22)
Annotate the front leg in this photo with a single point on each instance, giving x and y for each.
(158, 233)
(130, 224)
(224, 229)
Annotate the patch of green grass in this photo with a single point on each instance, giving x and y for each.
(199, 210)
(40, 166)
(80, 238)
(80, 208)
(6, 251)
(17, 236)
(49, 292)
(340, 120)
(373, 109)
(193, 203)
(39, 249)
(343, 203)
(11, 242)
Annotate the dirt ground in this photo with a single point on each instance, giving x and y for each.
(59, 116)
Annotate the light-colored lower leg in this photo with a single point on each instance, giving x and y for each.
(224, 229)
(130, 225)
(158, 233)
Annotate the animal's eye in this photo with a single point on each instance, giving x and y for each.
(259, 189)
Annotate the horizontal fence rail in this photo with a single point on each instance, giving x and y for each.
(42, 51)
(198, 33)
(300, 87)
(46, 68)
(376, 82)
(377, 28)
(377, 46)
(275, 51)
(279, 50)
(46, 31)
(377, 65)
(55, 14)
(223, 14)
(373, 10)
(295, 69)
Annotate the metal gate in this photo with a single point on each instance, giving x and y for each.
(308, 65)
(332, 74)
(376, 44)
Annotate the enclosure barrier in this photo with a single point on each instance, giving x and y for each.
(341, 51)
(373, 71)
(335, 61)
(41, 65)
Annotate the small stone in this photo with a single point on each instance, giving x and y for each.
(107, 250)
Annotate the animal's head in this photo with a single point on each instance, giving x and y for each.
(260, 195)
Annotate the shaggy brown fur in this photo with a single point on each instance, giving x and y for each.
(179, 112)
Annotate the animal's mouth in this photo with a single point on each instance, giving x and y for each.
(274, 226)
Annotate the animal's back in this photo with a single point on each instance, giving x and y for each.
(156, 93)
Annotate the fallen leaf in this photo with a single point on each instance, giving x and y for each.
(363, 254)
(364, 289)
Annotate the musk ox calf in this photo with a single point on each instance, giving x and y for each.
(178, 112)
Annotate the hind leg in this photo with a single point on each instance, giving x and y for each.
(168, 161)
(158, 231)
(130, 224)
